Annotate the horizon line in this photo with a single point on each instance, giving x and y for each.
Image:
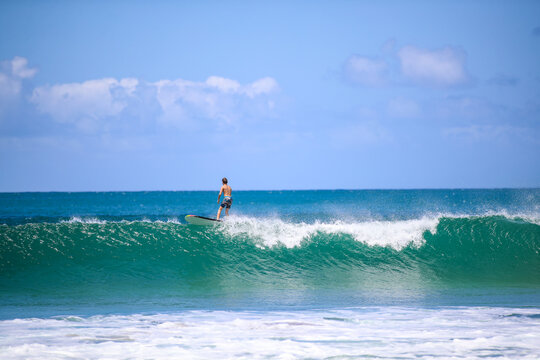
(266, 190)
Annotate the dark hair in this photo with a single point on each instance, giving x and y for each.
(224, 180)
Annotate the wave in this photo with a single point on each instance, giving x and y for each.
(245, 251)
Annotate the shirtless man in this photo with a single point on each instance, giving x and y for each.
(227, 198)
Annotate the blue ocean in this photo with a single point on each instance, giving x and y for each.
(329, 274)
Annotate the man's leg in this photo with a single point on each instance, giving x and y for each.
(227, 211)
(219, 212)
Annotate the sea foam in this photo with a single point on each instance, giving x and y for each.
(273, 231)
(371, 332)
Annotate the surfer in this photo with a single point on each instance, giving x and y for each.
(227, 198)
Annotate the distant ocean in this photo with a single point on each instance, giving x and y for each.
(327, 274)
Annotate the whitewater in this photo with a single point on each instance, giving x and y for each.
(290, 274)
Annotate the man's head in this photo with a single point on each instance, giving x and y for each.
(224, 180)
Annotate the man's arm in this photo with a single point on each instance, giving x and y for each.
(220, 191)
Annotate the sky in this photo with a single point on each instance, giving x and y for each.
(171, 95)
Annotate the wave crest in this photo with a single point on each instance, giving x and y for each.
(272, 232)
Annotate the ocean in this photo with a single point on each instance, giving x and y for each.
(327, 274)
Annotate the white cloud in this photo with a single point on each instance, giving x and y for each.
(19, 68)
(366, 71)
(441, 68)
(87, 101)
(91, 104)
(216, 99)
(12, 73)
(262, 86)
(445, 67)
(223, 84)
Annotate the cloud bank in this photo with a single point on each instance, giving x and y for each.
(98, 105)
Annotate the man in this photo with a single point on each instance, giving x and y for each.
(227, 198)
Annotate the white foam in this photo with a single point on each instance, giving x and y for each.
(396, 234)
(388, 332)
(94, 220)
(77, 219)
(271, 232)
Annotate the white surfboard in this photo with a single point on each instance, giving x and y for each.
(201, 220)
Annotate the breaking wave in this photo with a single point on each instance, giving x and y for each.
(246, 251)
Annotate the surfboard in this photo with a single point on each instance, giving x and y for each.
(201, 220)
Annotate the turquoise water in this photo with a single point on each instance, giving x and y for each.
(288, 257)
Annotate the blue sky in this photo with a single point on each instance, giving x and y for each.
(170, 95)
